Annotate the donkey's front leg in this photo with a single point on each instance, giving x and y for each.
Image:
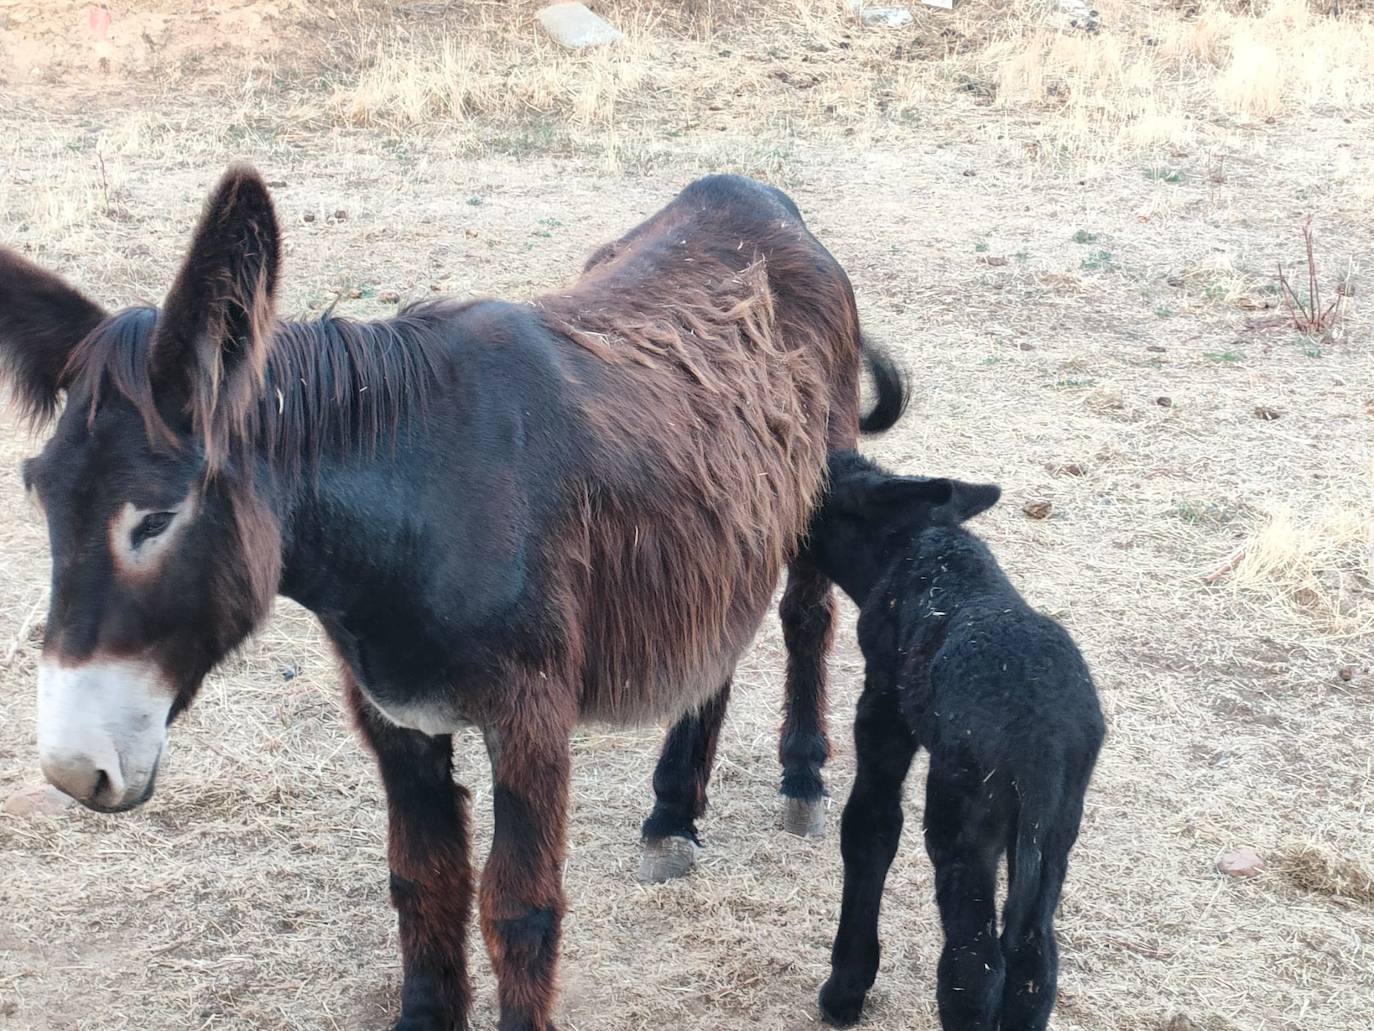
(522, 885)
(431, 875)
(807, 614)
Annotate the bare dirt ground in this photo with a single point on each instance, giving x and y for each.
(1070, 239)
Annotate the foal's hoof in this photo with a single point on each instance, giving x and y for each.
(666, 859)
(804, 817)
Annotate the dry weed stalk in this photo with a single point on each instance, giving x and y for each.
(1310, 318)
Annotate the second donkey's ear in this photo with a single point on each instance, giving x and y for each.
(42, 319)
(209, 350)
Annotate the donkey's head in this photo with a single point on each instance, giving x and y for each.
(164, 556)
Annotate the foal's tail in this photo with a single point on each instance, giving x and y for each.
(891, 390)
(1046, 826)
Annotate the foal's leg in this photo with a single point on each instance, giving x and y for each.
(680, 779)
(807, 613)
(964, 845)
(869, 832)
(522, 885)
(431, 878)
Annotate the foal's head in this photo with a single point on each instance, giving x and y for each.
(865, 508)
(163, 555)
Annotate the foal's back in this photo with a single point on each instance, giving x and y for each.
(989, 679)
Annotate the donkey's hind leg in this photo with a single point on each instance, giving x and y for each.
(431, 876)
(680, 779)
(807, 613)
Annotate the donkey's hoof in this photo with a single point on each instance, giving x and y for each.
(840, 1006)
(666, 859)
(804, 817)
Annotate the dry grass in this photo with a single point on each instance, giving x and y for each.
(1316, 868)
(1147, 81)
(251, 892)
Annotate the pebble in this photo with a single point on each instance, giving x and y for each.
(1243, 862)
(33, 799)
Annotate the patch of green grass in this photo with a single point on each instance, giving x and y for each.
(1225, 357)
(1022, 256)
(1309, 347)
(1083, 236)
(1164, 312)
(1216, 292)
(992, 359)
(981, 247)
(1073, 383)
(1098, 261)
(475, 200)
(1155, 363)
(546, 227)
(1164, 175)
(1203, 513)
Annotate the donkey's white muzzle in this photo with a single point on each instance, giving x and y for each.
(101, 729)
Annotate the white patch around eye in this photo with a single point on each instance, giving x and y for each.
(149, 554)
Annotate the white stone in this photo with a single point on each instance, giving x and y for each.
(573, 25)
(1076, 14)
(887, 17)
(1243, 862)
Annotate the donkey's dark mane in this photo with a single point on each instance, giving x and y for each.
(333, 386)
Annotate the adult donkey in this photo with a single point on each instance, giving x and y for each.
(505, 515)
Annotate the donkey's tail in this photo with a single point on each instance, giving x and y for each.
(891, 391)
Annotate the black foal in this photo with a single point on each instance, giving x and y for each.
(957, 662)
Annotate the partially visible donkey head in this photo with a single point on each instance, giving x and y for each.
(164, 557)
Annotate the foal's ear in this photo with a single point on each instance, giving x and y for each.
(967, 500)
(906, 491)
(42, 319)
(209, 350)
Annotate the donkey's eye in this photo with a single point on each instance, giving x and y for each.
(151, 525)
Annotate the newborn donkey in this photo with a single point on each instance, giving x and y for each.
(957, 662)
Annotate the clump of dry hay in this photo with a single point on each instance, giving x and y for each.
(1314, 565)
(1318, 869)
(1142, 80)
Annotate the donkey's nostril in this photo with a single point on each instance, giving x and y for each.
(102, 786)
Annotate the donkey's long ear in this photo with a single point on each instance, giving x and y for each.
(42, 319)
(209, 349)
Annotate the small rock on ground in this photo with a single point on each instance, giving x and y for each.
(1076, 14)
(37, 798)
(1242, 862)
(573, 25)
(886, 17)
